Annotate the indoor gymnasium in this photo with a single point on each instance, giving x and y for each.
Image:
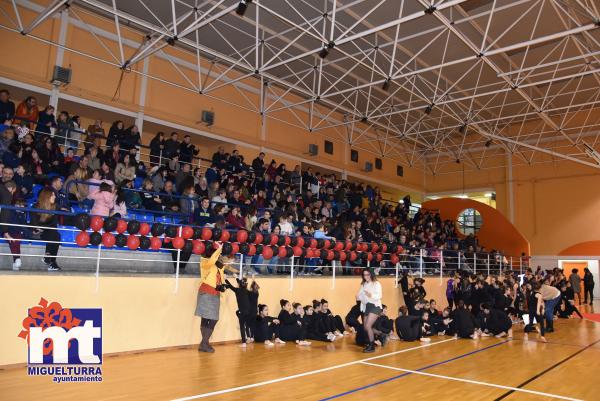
(299, 200)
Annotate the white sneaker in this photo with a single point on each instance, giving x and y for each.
(425, 339)
(16, 264)
(243, 345)
(278, 341)
(269, 343)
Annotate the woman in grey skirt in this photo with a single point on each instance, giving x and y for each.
(212, 278)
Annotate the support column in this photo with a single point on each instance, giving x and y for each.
(509, 188)
(139, 119)
(60, 54)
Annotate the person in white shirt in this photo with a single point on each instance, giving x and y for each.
(370, 295)
(286, 227)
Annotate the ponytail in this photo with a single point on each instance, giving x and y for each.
(282, 302)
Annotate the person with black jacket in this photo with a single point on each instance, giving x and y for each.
(290, 330)
(187, 150)
(267, 327)
(171, 147)
(385, 326)
(204, 215)
(352, 317)
(157, 145)
(258, 164)
(302, 320)
(408, 327)
(335, 321)
(115, 133)
(496, 322)
(243, 302)
(47, 201)
(588, 285)
(314, 328)
(7, 191)
(568, 299)
(463, 322)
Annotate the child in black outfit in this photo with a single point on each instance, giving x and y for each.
(408, 327)
(335, 321)
(290, 329)
(568, 299)
(244, 313)
(352, 318)
(385, 326)
(266, 327)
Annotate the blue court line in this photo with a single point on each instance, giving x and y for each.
(410, 373)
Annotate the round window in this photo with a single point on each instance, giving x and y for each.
(469, 221)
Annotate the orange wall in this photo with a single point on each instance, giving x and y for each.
(496, 231)
(177, 105)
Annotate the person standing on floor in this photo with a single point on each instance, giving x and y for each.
(575, 281)
(551, 297)
(588, 286)
(370, 295)
(243, 313)
(208, 302)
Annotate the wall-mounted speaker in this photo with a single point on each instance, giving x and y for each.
(329, 147)
(313, 149)
(400, 171)
(354, 155)
(61, 76)
(368, 167)
(378, 163)
(208, 117)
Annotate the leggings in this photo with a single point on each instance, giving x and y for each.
(541, 321)
(51, 247)
(208, 323)
(450, 303)
(588, 290)
(245, 329)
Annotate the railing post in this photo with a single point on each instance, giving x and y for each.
(160, 158)
(98, 267)
(521, 265)
(488, 264)
(291, 273)
(474, 263)
(177, 266)
(459, 265)
(421, 262)
(241, 266)
(511, 263)
(397, 274)
(442, 265)
(333, 275)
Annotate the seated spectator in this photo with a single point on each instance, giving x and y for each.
(125, 169)
(133, 199)
(235, 220)
(12, 157)
(188, 203)
(120, 207)
(159, 178)
(94, 162)
(112, 156)
(104, 200)
(75, 186)
(220, 198)
(63, 126)
(70, 157)
(107, 173)
(169, 197)
(35, 167)
(24, 182)
(204, 215)
(201, 187)
(150, 200)
(258, 164)
(51, 156)
(27, 112)
(183, 177)
(12, 222)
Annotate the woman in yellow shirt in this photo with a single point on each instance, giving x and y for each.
(212, 280)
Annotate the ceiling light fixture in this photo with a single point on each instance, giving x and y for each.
(242, 6)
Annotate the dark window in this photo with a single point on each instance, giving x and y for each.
(329, 147)
(378, 163)
(354, 155)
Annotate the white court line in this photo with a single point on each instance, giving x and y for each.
(311, 372)
(522, 390)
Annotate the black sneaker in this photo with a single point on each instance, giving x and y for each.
(46, 261)
(54, 267)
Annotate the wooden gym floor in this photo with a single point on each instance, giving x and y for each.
(565, 368)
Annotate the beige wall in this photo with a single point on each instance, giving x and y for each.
(143, 312)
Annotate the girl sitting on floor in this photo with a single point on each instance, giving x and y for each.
(266, 327)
